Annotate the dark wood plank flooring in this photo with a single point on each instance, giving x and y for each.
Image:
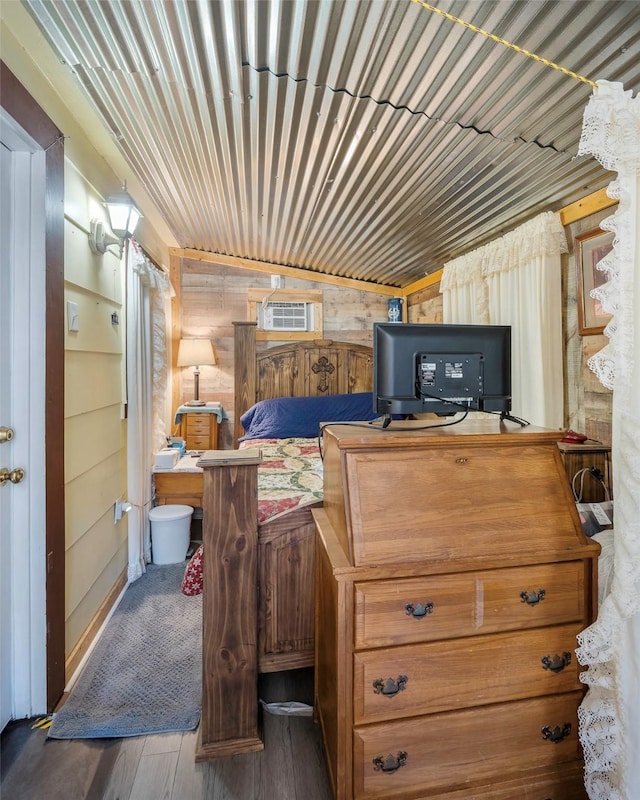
(291, 767)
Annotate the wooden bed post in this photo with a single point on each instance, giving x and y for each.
(229, 722)
(244, 366)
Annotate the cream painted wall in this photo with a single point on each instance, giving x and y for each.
(95, 428)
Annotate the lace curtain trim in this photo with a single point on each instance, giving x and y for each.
(611, 132)
(159, 287)
(541, 236)
(608, 721)
(611, 127)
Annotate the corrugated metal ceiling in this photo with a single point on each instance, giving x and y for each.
(370, 140)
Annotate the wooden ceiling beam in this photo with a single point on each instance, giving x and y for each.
(280, 269)
(586, 206)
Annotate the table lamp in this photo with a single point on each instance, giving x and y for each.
(195, 353)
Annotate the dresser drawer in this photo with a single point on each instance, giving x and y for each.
(426, 678)
(465, 604)
(560, 783)
(480, 746)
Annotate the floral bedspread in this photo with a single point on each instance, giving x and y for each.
(289, 477)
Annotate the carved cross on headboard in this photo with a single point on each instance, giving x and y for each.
(324, 367)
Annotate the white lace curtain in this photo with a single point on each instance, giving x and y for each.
(516, 280)
(148, 290)
(610, 648)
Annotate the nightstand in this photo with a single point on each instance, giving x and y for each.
(199, 426)
(577, 457)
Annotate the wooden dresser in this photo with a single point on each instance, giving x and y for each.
(452, 578)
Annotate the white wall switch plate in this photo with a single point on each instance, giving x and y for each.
(73, 316)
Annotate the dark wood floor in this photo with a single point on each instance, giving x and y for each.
(291, 767)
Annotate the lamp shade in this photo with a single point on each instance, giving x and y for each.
(195, 353)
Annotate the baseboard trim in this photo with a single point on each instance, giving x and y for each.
(72, 663)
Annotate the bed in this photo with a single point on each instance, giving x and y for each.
(281, 395)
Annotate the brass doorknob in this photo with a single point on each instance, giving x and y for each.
(15, 475)
(6, 435)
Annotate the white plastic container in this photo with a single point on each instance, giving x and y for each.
(167, 458)
(170, 533)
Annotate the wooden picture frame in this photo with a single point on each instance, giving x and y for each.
(590, 248)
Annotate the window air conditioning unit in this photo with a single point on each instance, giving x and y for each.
(285, 316)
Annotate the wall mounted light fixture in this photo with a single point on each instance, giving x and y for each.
(123, 218)
(195, 353)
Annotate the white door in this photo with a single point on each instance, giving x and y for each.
(22, 354)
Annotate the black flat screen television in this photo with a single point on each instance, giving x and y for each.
(443, 369)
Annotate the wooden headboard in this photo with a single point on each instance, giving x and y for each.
(296, 369)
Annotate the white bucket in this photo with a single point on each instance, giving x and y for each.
(170, 533)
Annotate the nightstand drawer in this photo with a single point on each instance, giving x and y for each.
(466, 604)
(176, 487)
(199, 442)
(200, 430)
(198, 423)
(487, 745)
(427, 678)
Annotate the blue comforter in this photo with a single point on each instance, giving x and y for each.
(283, 417)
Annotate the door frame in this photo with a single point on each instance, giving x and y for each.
(20, 105)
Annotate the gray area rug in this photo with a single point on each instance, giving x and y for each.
(145, 673)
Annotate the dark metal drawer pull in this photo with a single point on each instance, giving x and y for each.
(532, 598)
(418, 611)
(557, 663)
(389, 687)
(557, 734)
(390, 763)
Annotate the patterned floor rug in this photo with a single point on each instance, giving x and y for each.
(145, 673)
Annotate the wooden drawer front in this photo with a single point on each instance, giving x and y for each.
(198, 424)
(458, 503)
(466, 604)
(198, 442)
(427, 678)
(494, 743)
(179, 488)
(562, 783)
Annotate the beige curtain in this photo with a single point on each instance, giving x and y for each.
(516, 280)
(147, 288)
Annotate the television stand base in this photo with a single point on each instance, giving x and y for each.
(522, 422)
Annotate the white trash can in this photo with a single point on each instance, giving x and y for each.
(170, 533)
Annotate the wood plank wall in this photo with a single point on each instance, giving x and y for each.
(214, 296)
(425, 305)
